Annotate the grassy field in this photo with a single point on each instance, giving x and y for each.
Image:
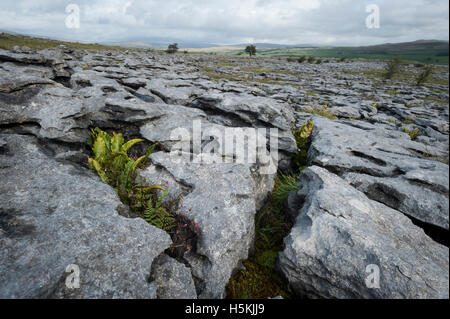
(425, 56)
(430, 52)
(8, 41)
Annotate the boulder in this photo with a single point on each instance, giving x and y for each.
(342, 241)
(389, 168)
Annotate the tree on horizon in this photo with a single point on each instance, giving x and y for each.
(251, 50)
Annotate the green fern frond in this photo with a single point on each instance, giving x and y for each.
(151, 149)
(99, 148)
(116, 142)
(126, 147)
(93, 164)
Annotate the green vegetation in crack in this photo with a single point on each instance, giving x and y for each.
(413, 134)
(259, 279)
(112, 163)
(303, 142)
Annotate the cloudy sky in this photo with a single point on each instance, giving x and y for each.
(333, 22)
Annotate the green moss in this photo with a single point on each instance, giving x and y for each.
(255, 282)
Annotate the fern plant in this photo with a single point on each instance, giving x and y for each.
(112, 163)
(157, 215)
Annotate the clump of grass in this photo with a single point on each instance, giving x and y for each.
(423, 76)
(392, 68)
(392, 121)
(322, 112)
(413, 134)
(284, 184)
(408, 121)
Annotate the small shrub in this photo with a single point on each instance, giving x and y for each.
(301, 59)
(392, 68)
(424, 75)
(319, 61)
(311, 59)
(172, 48)
(342, 59)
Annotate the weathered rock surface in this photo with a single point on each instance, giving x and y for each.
(55, 96)
(339, 232)
(54, 214)
(174, 280)
(223, 199)
(388, 168)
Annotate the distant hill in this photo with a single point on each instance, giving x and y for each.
(427, 51)
(9, 40)
(160, 45)
(277, 46)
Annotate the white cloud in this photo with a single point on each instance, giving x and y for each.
(231, 21)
